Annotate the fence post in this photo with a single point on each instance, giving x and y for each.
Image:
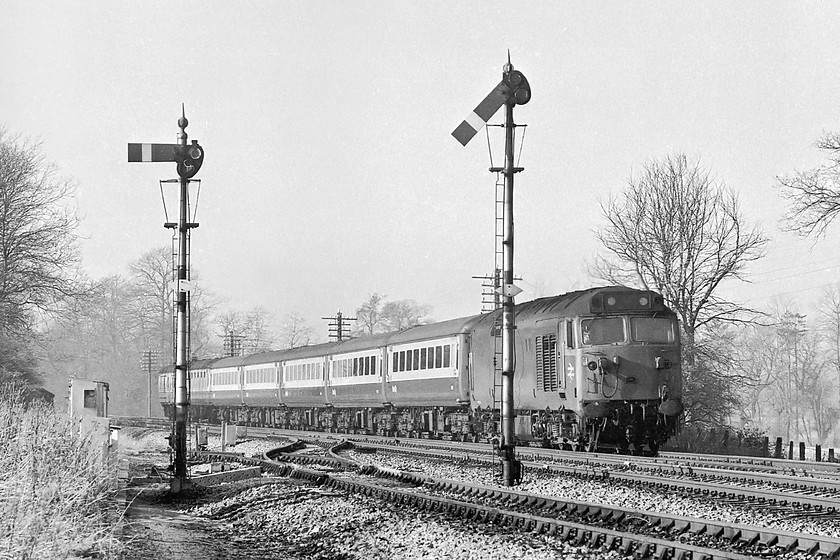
(778, 454)
(830, 454)
(765, 448)
(801, 450)
(790, 451)
(818, 453)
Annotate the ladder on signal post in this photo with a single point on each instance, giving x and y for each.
(498, 267)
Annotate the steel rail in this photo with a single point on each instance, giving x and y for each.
(539, 514)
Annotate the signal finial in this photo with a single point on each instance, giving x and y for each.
(507, 67)
(183, 122)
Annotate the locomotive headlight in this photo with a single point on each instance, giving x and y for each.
(615, 360)
(592, 365)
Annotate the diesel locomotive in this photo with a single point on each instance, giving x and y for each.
(595, 369)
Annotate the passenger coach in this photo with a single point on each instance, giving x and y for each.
(597, 368)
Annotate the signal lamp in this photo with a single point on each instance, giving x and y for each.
(520, 90)
(592, 365)
(189, 159)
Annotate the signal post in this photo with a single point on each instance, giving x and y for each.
(188, 158)
(512, 90)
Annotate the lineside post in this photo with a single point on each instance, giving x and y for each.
(512, 90)
(509, 475)
(188, 159)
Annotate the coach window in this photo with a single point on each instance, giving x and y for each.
(447, 351)
(402, 360)
(438, 356)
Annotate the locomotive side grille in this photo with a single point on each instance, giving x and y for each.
(546, 347)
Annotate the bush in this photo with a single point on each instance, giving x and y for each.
(722, 441)
(56, 486)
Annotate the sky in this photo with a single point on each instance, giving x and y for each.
(330, 170)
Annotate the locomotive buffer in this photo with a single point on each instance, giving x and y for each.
(188, 158)
(512, 90)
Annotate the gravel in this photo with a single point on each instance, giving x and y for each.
(283, 519)
(611, 494)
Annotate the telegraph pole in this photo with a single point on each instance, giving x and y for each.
(338, 327)
(148, 363)
(188, 160)
(512, 90)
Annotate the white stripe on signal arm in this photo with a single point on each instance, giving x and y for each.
(146, 152)
(476, 122)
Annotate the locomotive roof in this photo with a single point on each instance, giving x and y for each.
(568, 304)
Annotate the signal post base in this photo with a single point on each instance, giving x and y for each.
(178, 485)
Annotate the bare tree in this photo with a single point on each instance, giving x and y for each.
(814, 193)
(252, 328)
(369, 315)
(829, 309)
(676, 231)
(376, 315)
(98, 336)
(759, 353)
(402, 314)
(152, 277)
(294, 332)
(38, 247)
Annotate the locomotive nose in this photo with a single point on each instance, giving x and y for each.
(662, 363)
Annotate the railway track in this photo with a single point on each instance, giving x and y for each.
(633, 532)
(641, 533)
(803, 493)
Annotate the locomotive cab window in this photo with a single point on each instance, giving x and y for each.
(609, 330)
(658, 330)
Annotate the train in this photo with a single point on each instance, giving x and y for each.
(595, 369)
